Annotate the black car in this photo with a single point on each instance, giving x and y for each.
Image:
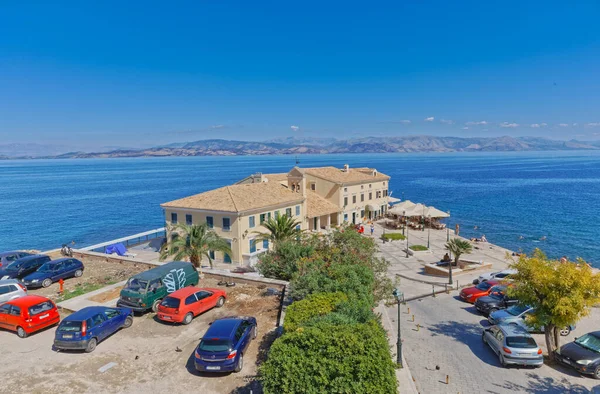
(583, 354)
(23, 266)
(8, 257)
(495, 301)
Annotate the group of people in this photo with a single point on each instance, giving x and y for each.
(361, 229)
(482, 239)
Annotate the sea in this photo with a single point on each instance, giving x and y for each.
(518, 200)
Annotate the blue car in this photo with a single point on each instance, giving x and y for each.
(84, 329)
(53, 271)
(222, 348)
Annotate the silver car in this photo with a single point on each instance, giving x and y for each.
(11, 289)
(513, 345)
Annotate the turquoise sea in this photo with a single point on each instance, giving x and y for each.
(521, 201)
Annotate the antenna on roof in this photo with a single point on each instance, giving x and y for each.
(297, 160)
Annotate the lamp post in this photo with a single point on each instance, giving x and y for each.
(403, 221)
(398, 294)
(423, 218)
(450, 282)
(429, 232)
(448, 230)
(406, 238)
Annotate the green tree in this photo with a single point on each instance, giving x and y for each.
(282, 262)
(283, 228)
(457, 247)
(193, 243)
(561, 293)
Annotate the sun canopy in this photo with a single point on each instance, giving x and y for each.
(393, 200)
(399, 208)
(416, 210)
(433, 212)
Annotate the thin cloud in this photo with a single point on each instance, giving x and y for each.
(482, 123)
(593, 124)
(574, 124)
(543, 124)
(447, 121)
(295, 128)
(535, 126)
(465, 128)
(217, 126)
(430, 119)
(405, 121)
(564, 124)
(509, 125)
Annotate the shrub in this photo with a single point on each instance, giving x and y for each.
(348, 358)
(282, 263)
(418, 248)
(393, 237)
(312, 306)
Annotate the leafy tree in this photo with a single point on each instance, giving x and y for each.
(318, 304)
(457, 247)
(192, 243)
(561, 293)
(283, 228)
(282, 262)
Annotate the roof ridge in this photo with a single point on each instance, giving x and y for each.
(232, 199)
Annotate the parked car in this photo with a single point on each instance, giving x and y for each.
(499, 275)
(23, 266)
(498, 299)
(11, 289)
(471, 294)
(583, 354)
(513, 345)
(8, 257)
(84, 329)
(184, 304)
(517, 314)
(28, 314)
(146, 290)
(222, 347)
(53, 271)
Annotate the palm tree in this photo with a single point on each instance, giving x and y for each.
(282, 228)
(457, 247)
(193, 242)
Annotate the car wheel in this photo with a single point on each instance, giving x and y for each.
(78, 273)
(240, 364)
(91, 346)
(565, 331)
(128, 322)
(220, 302)
(597, 373)
(188, 318)
(47, 282)
(501, 359)
(21, 333)
(254, 332)
(155, 306)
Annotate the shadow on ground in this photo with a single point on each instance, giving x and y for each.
(544, 385)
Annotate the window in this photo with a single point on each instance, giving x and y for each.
(370, 196)
(97, 320)
(210, 221)
(354, 199)
(5, 309)
(203, 294)
(297, 210)
(276, 214)
(362, 197)
(155, 284)
(265, 244)
(345, 189)
(262, 218)
(211, 253)
(315, 224)
(173, 218)
(345, 201)
(111, 313)
(268, 215)
(298, 227)
(251, 220)
(288, 212)
(313, 186)
(15, 311)
(385, 193)
(362, 186)
(190, 299)
(226, 224)
(370, 186)
(4, 290)
(41, 308)
(345, 217)
(362, 213)
(252, 246)
(188, 219)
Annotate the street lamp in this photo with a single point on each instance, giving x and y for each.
(406, 238)
(429, 232)
(448, 229)
(403, 221)
(398, 294)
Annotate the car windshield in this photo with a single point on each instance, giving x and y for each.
(170, 302)
(497, 292)
(71, 326)
(14, 266)
(137, 285)
(40, 308)
(521, 342)
(516, 310)
(214, 345)
(47, 268)
(483, 286)
(589, 342)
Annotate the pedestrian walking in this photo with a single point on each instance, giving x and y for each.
(372, 229)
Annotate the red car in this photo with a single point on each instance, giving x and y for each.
(28, 314)
(471, 294)
(184, 304)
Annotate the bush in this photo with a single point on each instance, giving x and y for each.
(312, 306)
(283, 262)
(393, 237)
(348, 358)
(418, 248)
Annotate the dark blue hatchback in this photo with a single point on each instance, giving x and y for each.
(223, 346)
(53, 271)
(85, 328)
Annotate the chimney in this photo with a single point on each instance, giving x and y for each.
(346, 168)
(374, 172)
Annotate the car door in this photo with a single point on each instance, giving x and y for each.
(58, 271)
(99, 326)
(204, 301)
(4, 293)
(113, 320)
(245, 339)
(13, 319)
(4, 312)
(191, 304)
(499, 342)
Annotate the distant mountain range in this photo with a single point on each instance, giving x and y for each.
(294, 146)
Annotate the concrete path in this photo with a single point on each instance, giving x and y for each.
(82, 301)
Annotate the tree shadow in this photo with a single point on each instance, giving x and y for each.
(253, 384)
(546, 385)
(469, 334)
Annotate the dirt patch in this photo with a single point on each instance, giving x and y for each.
(107, 295)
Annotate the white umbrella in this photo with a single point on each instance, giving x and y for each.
(399, 208)
(416, 210)
(436, 213)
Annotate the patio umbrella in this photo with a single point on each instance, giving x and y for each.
(436, 213)
(416, 210)
(399, 208)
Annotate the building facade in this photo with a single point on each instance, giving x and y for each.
(319, 198)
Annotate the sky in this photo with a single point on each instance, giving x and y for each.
(137, 74)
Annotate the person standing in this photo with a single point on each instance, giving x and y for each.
(457, 229)
(372, 229)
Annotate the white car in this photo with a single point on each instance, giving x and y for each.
(497, 275)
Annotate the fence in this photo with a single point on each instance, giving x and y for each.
(131, 240)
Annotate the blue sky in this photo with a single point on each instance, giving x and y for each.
(145, 73)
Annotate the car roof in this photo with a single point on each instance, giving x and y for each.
(9, 282)
(28, 301)
(2, 254)
(86, 313)
(184, 292)
(161, 270)
(61, 260)
(32, 257)
(513, 329)
(223, 328)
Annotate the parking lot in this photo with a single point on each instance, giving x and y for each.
(448, 343)
(151, 356)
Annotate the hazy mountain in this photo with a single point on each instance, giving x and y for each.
(309, 141)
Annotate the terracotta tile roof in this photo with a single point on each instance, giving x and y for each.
(239, 198)
(318, 206)
(353, 175)
(281, 178)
